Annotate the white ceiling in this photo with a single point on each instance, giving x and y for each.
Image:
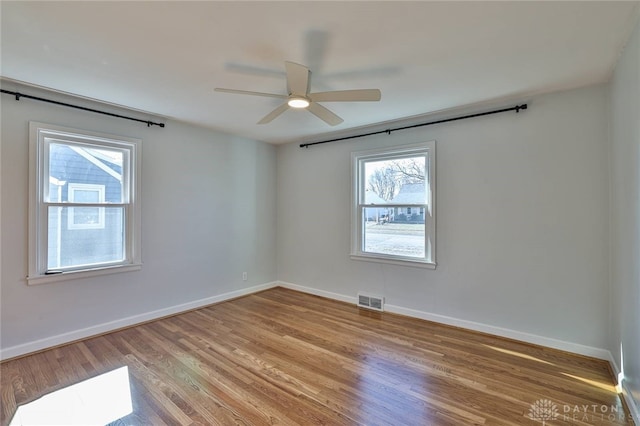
(167, 57)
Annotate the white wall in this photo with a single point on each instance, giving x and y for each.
(625, 215)
(522, 232)
(208, 214)
(522, 225)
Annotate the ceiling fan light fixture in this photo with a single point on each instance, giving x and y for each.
(298, 103)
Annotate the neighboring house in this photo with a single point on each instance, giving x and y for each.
(83, 175)
(410, 193)
(376, 214)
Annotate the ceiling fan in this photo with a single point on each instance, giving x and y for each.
(299, 97)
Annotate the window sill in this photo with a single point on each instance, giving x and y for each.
(85, 273)
(394, 261)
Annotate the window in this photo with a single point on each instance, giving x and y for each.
(84, 204)
(393, 211)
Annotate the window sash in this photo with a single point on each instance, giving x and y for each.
(386, 156)
(80, 141)
(70, 204)
(362, 232)
(394, 205)
(128, 255)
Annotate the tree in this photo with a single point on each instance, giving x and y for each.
(410, 170)
(384, 183)
(387, 181)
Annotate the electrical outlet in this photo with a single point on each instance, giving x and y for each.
(244, 276)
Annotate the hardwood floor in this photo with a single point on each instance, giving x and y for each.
(283, 357)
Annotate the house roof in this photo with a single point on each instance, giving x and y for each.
(411, 193)
(371, 197)
(94, 157)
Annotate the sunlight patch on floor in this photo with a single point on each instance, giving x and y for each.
(521, 355)
(96, 401)
(606, 386)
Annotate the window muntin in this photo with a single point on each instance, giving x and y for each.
(84, 190)
(393, 217)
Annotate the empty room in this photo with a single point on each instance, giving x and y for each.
(320, 212)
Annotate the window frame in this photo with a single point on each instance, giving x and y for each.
(358, 191)
(40, 137)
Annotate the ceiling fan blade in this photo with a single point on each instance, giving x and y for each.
(361, 95)
(324, 114)
(273, 114)
(297, 79)
(246, 92)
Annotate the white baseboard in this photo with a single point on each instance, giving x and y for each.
(504, 332)
(471, 325)
(316, 292)
(631, 403)
(634, 408)
(60, 339)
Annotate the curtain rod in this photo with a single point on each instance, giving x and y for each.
(516, 108)
(19, 95)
